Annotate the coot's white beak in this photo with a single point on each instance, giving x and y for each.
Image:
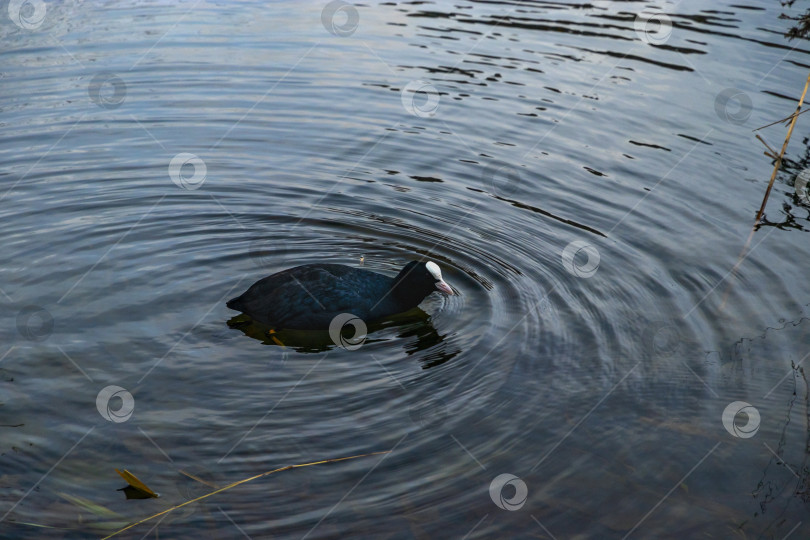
(444, 287)
(436, 272)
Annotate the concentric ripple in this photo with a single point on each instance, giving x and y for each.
(582, 173)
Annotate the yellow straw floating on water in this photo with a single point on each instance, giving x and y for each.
(229, 486)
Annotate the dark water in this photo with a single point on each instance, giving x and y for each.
(586, 177)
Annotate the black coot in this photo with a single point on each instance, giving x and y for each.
(308, 297)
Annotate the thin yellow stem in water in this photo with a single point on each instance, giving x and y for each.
(794, 115)
(240, 482)
(771, 152)
(782, 153)
(776, 167)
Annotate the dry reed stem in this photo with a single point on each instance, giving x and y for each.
(240, 482)
(776, 167)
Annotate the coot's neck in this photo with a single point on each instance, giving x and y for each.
(402, 293)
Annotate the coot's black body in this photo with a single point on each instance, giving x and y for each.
(308, 297)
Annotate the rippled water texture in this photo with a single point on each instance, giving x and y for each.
(586, 175)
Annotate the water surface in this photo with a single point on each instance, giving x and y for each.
(586, 176)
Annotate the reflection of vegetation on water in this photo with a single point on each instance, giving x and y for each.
(781, 449)
(784, 481)
(795, 209)
(802, 27)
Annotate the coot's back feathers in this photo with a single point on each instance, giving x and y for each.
(310, 296)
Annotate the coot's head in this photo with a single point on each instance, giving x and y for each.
(419, 279)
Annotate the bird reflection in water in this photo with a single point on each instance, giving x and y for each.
(414, 328)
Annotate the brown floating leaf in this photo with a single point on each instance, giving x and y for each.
(135, 484)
